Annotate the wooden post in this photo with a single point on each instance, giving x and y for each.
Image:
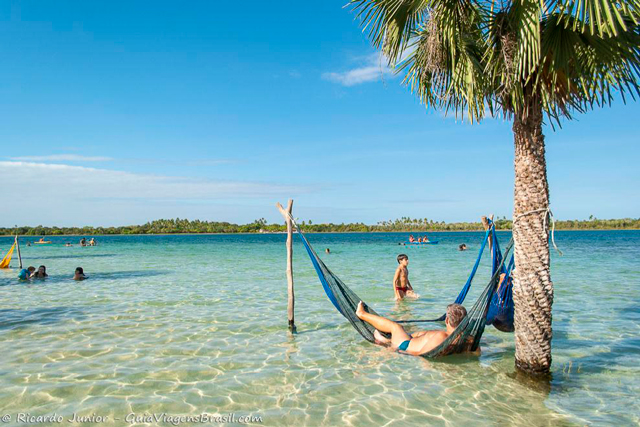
(485, 224)
(19, 256)
(292, 301)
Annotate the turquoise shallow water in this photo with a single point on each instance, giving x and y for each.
(193, 324)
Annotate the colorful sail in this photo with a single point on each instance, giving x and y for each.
(7, 258)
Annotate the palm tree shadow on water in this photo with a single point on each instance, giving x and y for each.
(604, 355)
(18, 318)
(496, 390)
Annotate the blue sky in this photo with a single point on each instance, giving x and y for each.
(117, 112)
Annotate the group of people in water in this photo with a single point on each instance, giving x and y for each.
(423, 239)
(91, 242)
(83, 242)
(41, 273)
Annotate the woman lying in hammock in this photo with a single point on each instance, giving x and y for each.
(419, 342)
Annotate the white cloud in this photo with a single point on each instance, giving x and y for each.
(373, 69)
(62, 158)
(211, 162)
(55, 182)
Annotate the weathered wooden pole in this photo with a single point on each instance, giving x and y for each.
(292, 300)
(485, 224)
(19, 255)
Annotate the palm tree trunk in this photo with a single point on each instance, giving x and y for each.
(533, 289)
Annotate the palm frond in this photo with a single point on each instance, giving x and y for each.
(469, 56)
(390, 23)
(602, 17)
(444, 64)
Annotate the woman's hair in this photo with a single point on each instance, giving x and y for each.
(43, 267)
(79, 270)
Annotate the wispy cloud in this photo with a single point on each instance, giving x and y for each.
(58, 181)
(62, 158)
(211, 162)
(79, 158)
(372, 68)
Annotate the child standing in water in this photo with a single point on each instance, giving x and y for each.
(401, 285)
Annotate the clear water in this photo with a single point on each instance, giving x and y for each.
(193, 324)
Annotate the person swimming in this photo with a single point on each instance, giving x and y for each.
(24, 274)
(92, 242)
(83, 242)
(462, 247)
(79, 274)
(41, 273)
(327, 250)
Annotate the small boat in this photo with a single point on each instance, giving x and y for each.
(430, 242)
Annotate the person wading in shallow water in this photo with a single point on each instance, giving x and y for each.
(41, 273)
(79, 274)
(401, 285)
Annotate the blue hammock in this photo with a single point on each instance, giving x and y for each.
(500, 313)
(501, 309)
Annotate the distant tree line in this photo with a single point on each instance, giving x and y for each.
(406, 224)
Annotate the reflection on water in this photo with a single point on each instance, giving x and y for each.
(191, 324)
(11, 318)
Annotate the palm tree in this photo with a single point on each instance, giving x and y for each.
(526, 61)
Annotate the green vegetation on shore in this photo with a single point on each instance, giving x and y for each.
(177, 226)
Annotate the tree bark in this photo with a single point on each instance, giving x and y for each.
(533, 289)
